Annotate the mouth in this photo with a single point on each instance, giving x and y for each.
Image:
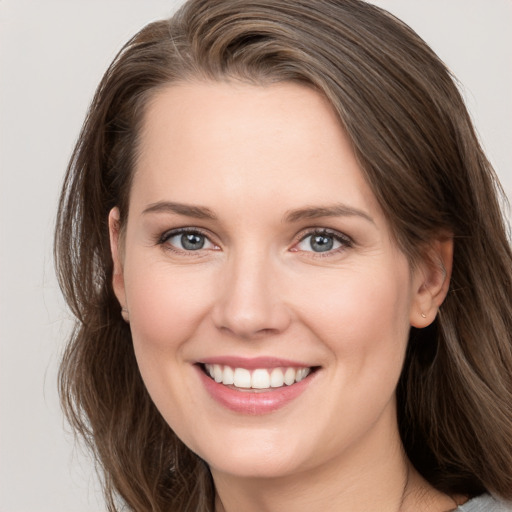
(257, 379)
(255, 386)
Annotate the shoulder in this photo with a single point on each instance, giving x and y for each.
(486, 503)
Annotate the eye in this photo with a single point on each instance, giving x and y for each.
(187, 240)
(323, 241)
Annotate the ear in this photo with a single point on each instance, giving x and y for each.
(116, 249)
(432, 281)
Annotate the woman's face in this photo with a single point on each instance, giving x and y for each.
(256, 253)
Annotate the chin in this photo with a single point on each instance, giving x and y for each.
(256, 466)
(254, 455)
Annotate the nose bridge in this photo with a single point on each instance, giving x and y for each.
(250, 302)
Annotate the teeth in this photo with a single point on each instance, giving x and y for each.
(276, 378)
(242, 378)
(228, 376)
(302, 374)
(289, 376)
(260, 378)
(217, 373)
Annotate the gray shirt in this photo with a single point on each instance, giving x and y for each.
(485, 503)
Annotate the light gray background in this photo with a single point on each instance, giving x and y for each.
(52, 55)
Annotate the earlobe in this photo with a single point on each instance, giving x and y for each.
(432, 278)
(114, 226)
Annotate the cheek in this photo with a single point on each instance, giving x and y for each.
(166, 308)
(363, 319)
(166, 304)
(354, 302)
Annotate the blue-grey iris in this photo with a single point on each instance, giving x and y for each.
(192, 241)
(321, 243)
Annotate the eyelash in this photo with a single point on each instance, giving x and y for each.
(165, 237)
(345, 241)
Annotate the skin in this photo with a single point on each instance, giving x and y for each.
(251, 155)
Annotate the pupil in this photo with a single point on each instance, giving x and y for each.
(320, 243)
(192, 242)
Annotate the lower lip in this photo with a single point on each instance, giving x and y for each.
(253, 402)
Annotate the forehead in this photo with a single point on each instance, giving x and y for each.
(207, 141)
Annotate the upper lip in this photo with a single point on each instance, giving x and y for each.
(253, 363)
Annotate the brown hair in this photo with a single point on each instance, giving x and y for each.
(419, 152)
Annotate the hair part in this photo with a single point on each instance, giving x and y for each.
(420, 155)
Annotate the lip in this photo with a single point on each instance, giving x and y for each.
(254, 363)
(253, 402)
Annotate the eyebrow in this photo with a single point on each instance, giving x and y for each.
(311, 212)
(198, 212)
(315, 212)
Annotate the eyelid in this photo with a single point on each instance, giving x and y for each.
(162, 238)
(344, 239)
(170, 233)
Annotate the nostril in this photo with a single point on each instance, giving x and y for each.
(248, 334)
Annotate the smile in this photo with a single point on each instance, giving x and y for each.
(255, 386)
(259, 378)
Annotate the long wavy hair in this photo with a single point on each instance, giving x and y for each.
(419, 153)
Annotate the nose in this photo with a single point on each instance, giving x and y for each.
(250, 303)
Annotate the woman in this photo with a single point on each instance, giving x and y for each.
(290, 272)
